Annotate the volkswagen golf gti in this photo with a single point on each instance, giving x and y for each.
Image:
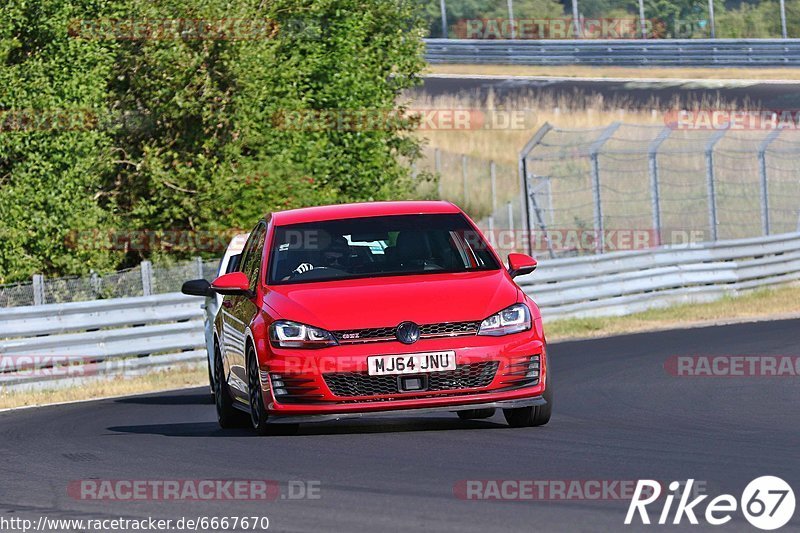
(372, 309)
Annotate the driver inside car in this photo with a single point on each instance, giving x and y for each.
(335, 256)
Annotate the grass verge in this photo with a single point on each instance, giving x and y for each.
(579, 71)
(762, 304)
(181, 376)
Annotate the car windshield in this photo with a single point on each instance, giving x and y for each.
(377, 246)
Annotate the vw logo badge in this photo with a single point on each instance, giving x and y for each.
(407, 333)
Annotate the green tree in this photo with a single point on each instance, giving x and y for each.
(53, 155)
(183, 132)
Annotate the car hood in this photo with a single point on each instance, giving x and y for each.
(387, 301)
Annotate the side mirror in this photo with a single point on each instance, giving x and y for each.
(197, 287)
(233, 284)
(520, 264)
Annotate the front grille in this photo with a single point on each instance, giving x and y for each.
(470, 376)
(442, 329)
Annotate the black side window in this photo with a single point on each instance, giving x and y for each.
(251, 256)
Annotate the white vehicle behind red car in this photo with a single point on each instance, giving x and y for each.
(201, 287)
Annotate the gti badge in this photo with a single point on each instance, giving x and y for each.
(407, 333)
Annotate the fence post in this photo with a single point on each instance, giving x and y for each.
(147, 278)
(594, 153)
(491, 230)
(783, 18)
(655, 191)
(464, 177)
(712, 192)
(443, 9)
(493, 177)
(523, 189)
(198, 261)
(38, 289)
(762, 171)
(437, 166)
(510, 228)
(94, 282)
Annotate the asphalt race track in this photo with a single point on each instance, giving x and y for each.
(627, 93)
(618, 416)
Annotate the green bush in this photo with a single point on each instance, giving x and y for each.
(181, 131)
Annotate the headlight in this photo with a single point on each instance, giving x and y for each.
(510, 320)
(288, 334)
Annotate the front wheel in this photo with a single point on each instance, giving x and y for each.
(258, 413)
(536, 415)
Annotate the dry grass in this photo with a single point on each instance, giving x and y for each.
(565, 111)
(576, 71)
(765, 303)
(503, 145)
(182, 376)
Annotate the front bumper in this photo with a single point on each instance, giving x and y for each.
(507, 404)
(308, 370)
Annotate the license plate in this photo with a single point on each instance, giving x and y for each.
(412, 363)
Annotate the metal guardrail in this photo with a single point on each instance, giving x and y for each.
(54, 344)
(617, 52)
(621, 283)
(130, 336)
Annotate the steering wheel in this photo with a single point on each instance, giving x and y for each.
(310, 273)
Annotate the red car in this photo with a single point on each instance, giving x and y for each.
(362, 309)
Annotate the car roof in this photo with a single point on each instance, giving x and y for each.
(362, 210)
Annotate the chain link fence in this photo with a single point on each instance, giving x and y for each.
(143, 280)
(659, 185)
(488, 191)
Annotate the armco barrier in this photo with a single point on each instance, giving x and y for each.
(136, 335)
(618, 52)
(122, 336)
(621, 283)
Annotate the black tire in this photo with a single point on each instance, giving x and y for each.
(538, 415)
(227, 415)
(476, 414)
(211, 382)
(258, 413)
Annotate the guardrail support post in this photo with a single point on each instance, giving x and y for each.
(38, 289)
(655, 191)
(762, 171)
(712, 192)
(594, 153)
(147, 278)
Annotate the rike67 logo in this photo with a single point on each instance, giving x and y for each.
(767, 503)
